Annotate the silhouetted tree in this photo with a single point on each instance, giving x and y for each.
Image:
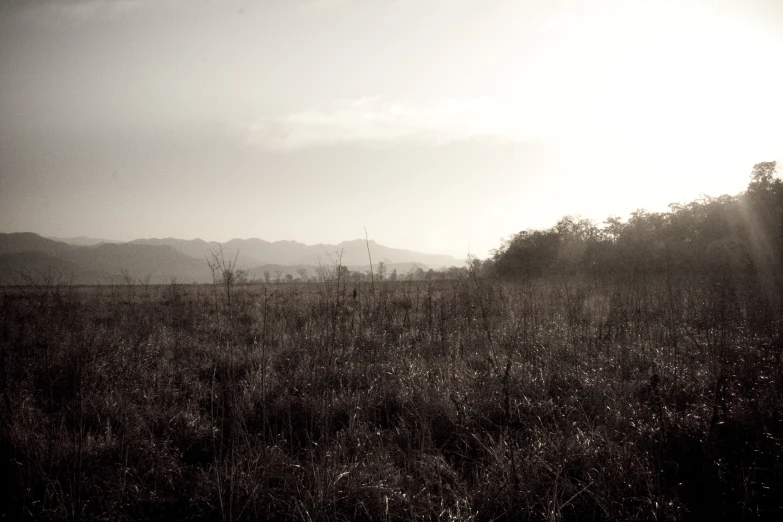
(381, 271)
(739, 235)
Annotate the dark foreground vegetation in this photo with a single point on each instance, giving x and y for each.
(648, 392)
(569, 398)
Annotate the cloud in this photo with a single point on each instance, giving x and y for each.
(383, 122)
(324, 5)
(83, 10)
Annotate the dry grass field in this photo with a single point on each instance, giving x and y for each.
(560, 398)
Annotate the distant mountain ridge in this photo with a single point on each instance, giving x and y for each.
(25, 255)
(256, 251)
(21, 242)
(83, 240)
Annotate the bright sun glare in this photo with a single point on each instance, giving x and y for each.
(686, 103)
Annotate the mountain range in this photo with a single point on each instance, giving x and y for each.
(26, 257)
(254, 252)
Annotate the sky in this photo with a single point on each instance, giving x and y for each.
(439, 126)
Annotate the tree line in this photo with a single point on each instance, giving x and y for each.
(740, 235)
(333, 271)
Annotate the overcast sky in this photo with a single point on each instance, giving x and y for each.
(438, 125)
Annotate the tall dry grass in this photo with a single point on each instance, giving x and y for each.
(557, 399)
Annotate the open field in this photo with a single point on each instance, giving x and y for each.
(555, 399)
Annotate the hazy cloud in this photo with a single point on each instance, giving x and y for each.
(379, 121)
(87, 9)
(323, 5)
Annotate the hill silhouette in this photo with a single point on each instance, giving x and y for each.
(26, 257)
(254, 252)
